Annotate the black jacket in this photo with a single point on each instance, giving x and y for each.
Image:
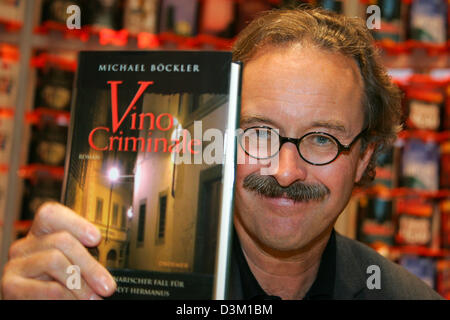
(352, 260)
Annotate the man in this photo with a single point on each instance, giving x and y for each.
(312, 83)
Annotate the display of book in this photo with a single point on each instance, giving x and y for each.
(151, 162)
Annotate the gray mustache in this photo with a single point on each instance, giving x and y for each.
(298, 191)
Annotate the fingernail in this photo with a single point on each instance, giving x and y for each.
(95, 297)
(107, 283)
(93, 235)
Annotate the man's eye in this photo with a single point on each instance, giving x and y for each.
(321, 140)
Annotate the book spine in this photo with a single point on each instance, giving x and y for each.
(70, 134)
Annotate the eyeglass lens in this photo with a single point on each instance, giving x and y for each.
(263, 143)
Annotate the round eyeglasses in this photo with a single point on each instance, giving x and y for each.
(316, 148)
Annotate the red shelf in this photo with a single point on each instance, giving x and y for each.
(421, 251)
(425, 135)
(113, 37)
(393, 252)
(422, 80)
(144, 40)
(9, 53)
(44, 59)
(10, 25)
(431, 48)
(371, 1)
(20, 225)
(40, 114)
(48, 26)
(3, 168)
(385, 192)
(6, 112)
(198, 41)
(407, 47)
(148, 40)
(121, 37)
(34, 171)
(396, 48)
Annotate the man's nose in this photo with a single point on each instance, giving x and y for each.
(291, 167)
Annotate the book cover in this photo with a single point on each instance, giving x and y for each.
(151, 162)
(393, 20)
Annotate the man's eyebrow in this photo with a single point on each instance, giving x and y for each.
(333, 125)
(246, 120)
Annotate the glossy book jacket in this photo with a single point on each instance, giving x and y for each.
(151, 162)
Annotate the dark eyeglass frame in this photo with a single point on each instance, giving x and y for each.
(297, 141)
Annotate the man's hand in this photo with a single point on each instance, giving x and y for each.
(37, 263)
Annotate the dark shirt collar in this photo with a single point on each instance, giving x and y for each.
(321, 289)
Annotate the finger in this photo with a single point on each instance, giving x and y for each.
(18, 288)
(53, 217)
(96, 275)
(54, 264)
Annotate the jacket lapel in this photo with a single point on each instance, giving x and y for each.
(350, 277)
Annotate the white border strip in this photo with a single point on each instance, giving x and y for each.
(229, 171)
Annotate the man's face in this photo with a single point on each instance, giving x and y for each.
(299, 90)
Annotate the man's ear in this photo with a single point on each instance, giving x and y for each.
(363, 161)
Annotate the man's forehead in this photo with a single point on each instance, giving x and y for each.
(296, 65)
(292, 88)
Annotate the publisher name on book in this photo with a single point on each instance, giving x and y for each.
(161, 67)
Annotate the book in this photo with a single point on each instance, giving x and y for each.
(217, 18)
(3, 189)
(9, 74)
(376, 225)
(179, 17)
(141, 16)
(6, 132)
(12, 11)
(420, 164)
(393, 20)
(422, 267)
(428, 21)
(248, 10)
(151, 161)
(53, 89)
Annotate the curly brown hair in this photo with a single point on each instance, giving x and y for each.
(336, 33)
